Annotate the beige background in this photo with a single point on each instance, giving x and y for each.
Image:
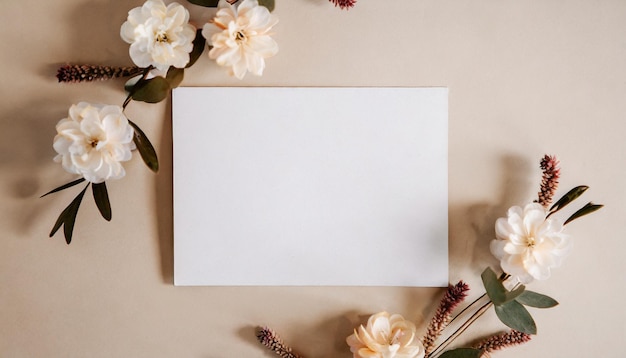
(525, 78)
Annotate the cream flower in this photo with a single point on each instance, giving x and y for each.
(240, 37)
(158, 35)
(93, 141)
(528, 245)
(386, 337)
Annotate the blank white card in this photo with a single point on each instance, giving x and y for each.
(310, 186)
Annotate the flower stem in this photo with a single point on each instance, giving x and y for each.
(466, 308)
(439, 349)
(461, 329)
(145, 73)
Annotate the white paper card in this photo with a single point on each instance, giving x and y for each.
(310, 186)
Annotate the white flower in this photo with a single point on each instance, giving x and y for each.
(240, 37)
(528, 245)
(158, 35)
(386, 337)
(93, 140)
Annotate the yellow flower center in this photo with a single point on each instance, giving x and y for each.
(93, 142)
(530, 242)
(240, 36)
(162, 37)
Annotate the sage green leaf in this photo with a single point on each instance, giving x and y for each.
(493, 286)
(145, 148)
(153, 90)
(205, 3)
(515, 316)
(568, 198)
(587, 209)
(269, 4)
(462, 353)
(534, 299)
(511, 295)
(199, 42)
(101, 196)
(175, 76)
(68, 217)
(63, 187)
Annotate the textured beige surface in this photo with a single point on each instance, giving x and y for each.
(525, 78)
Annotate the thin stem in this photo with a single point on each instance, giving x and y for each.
(461, 329)
(503, 277)
(466, 308)
(129, 98)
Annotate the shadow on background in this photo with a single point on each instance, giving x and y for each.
(164, 199)
(471, 228)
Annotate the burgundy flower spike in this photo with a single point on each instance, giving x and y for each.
(344, 4)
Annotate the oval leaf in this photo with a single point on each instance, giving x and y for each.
(145, 148)
(568, 198)
(128, 86)
(205, 3)
(534, 299)
(515, 316)
(198, 46)
(511, 295)
(587, 209)
(269, 4)
(493, 286)
(462, 353)
(175, 76)
(151, 91)
(101, 196)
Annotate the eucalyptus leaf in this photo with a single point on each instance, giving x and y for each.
(205, 3)
(145, 148)
(534, 299)
(153, 90)
(68, 217)
(269, 4)
(63, 187)
(493, 286)
(568, 198)
(199, 42)
(175, 76)
(101, 196)
(515, 316)
(511, 295)
(462, 353)
(587, 209)
(128, 86)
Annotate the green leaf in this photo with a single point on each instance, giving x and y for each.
(269, 4)
(493, 286)
(68, 217)
(534, 299)
(205, 3)
(145, 148)
(128, 86)
(153, 90)
(101, 196)
(515, 316)
(462, 353)
(568, 198)
(511, 295)
(175, 76)
(587, 209)
(63, 187)
(198, 47)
